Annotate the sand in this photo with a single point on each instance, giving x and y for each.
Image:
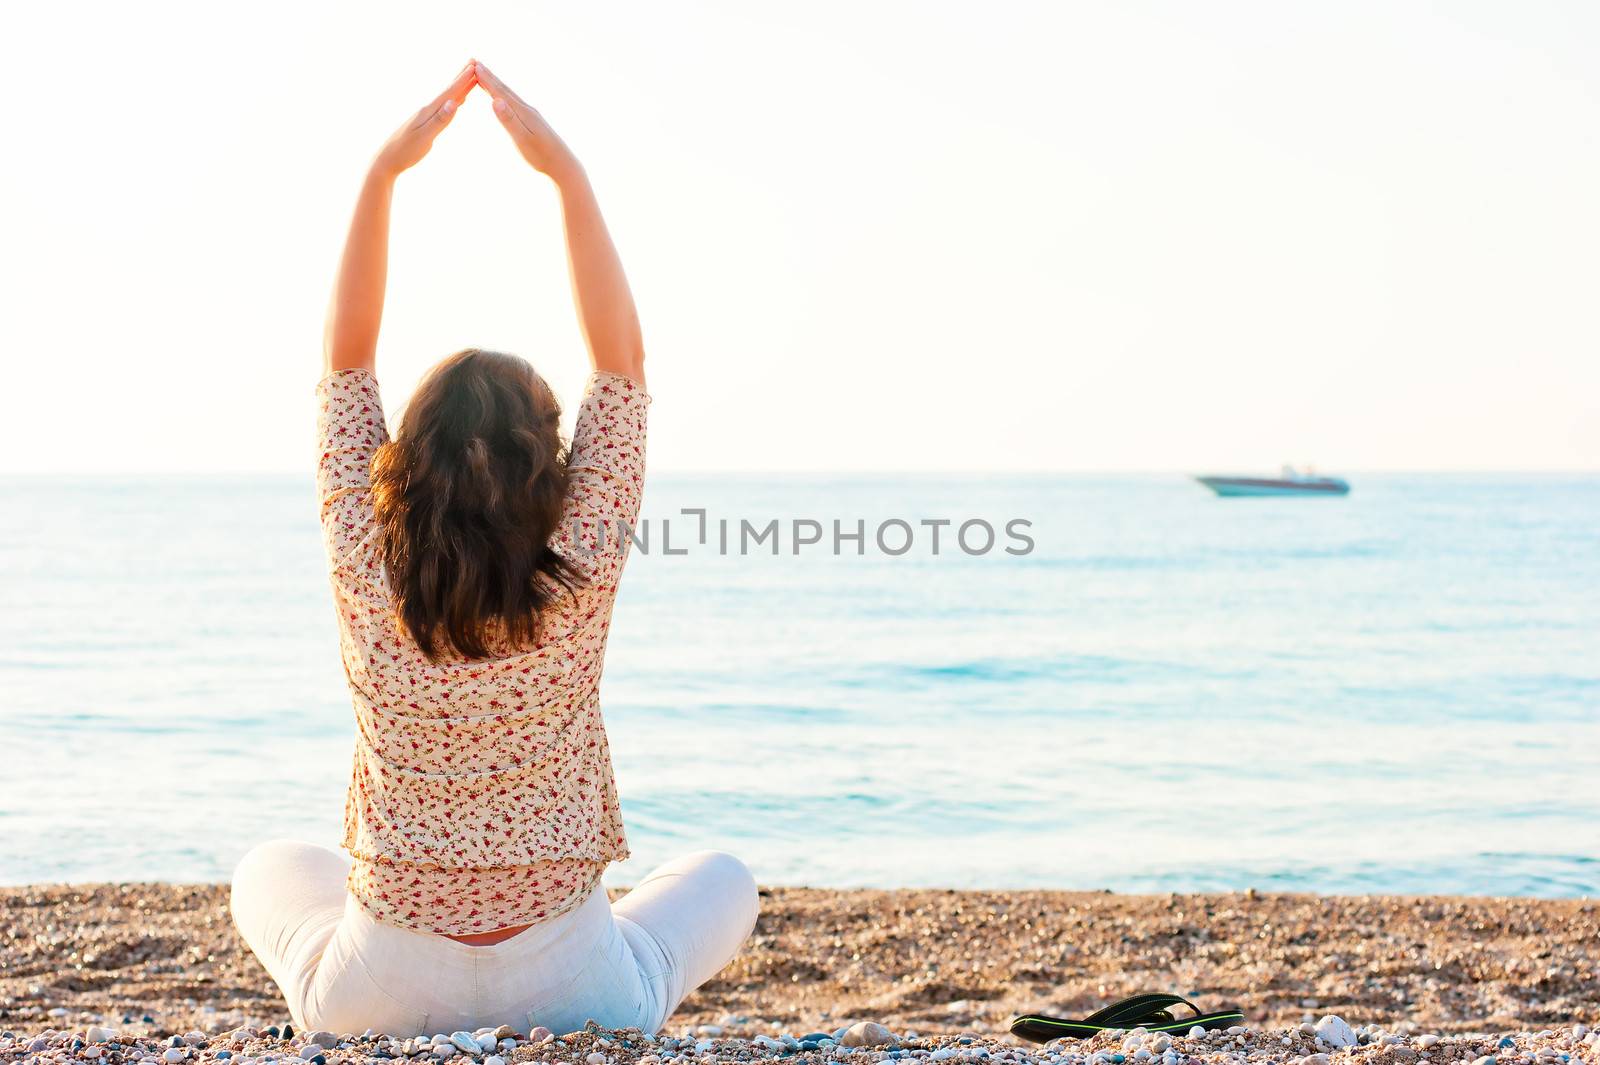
(157, 960)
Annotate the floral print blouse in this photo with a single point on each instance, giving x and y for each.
(482, 793)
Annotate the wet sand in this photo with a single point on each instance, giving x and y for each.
(156, 960)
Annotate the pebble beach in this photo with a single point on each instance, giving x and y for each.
(115, 973)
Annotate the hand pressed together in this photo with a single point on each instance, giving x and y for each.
(411, 141)
(538, 143)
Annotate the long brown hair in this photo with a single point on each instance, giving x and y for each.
(467, 496)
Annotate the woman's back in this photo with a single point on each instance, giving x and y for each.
(482, 793)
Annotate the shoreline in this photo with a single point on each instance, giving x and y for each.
(154, 960)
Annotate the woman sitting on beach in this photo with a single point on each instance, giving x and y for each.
(474, 561)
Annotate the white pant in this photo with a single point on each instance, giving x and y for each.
(627, 965)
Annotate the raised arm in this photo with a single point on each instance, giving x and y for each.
(606, 312)
(350, 338)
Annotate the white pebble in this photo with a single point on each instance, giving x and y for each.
(1426, 1041)
(444, 1050)
(494, 1059)
(596, 1058)
(866, 1034)
(1333, 1030)
(173, 1054)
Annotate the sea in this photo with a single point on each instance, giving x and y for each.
(1088, 682)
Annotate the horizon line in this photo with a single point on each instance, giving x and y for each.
(875, 472)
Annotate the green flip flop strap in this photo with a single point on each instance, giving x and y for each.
(1128, 1012)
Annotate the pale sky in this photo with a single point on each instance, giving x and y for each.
(863, 236)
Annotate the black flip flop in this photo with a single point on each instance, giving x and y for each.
(1141, 1011)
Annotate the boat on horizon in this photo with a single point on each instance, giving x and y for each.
(1290, 482)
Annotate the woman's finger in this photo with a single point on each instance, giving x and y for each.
(497, 88)
(458, 88)
(506, 112)
(440, 114)
(454, 95)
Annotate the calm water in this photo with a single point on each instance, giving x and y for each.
(1399, 691)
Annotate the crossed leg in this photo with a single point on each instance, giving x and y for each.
(288, 899)
(684, 922)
